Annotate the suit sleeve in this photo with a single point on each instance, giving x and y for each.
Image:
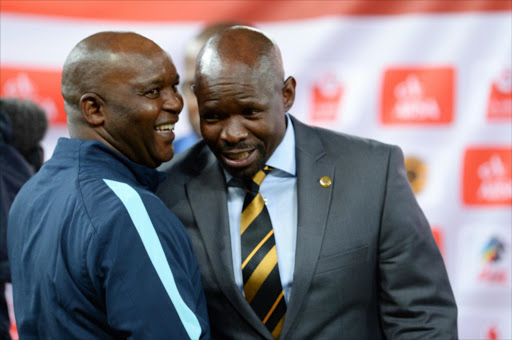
(148, 275)
(416, 300)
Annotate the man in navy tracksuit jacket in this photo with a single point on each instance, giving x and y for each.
(94, 253)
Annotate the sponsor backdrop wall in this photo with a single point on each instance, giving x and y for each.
(433, 77)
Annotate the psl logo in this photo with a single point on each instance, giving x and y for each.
(487, 178)
(417, 96)
(492, 254)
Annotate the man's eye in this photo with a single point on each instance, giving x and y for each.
(153, 93)
(210, 117)
(249, 112)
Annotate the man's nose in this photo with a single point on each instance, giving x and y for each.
(173, 102)
(233, 131)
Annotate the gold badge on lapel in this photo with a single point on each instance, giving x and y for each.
(325, 182)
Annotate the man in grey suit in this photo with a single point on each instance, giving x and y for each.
(355, 255)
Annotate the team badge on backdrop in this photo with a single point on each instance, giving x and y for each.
(416, 173)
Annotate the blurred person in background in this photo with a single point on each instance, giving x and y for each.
(23, 125)
(301, 232)
(94, 254)
(29, 124)
(191, 51)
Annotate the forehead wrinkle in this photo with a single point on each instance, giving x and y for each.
(229, 91)
(229, 72)
(153, 67)
(214, 94)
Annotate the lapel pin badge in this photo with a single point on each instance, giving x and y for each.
(325, 182)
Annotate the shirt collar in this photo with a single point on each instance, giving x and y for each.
(283, 158)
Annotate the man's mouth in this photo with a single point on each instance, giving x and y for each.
(239, 159)
(165, 127)
(235, 156)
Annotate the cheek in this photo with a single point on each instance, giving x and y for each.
(264, 132)
(271, 134)
(210, 133)
(143, 117)
(147, 110)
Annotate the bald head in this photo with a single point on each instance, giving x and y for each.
(194, 46)
(241, 47)
(191, 52)
(121, 89)
(93, 60)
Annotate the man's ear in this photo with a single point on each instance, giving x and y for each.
(92, 107)
(289, 93)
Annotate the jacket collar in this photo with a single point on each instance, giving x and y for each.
(89, 154)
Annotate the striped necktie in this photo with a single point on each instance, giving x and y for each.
(262, 284)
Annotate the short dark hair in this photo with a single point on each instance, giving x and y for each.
(28, 124)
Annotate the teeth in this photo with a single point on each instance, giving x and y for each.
(165, 127)
(238, 155)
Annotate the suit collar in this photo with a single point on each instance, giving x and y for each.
(313, 208)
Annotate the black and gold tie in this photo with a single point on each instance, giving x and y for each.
(262, 284)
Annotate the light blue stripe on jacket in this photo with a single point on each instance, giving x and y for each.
(140, 218)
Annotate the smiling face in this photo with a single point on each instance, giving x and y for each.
(142, 104)
(121, 89)
(242, 120)
(242, 103)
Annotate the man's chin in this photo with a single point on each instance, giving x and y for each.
(166, 154)
(248, 171)
(246, 166)
(162, 158)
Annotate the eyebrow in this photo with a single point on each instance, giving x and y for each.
(155, 81)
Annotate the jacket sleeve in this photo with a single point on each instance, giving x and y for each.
(147, 272)
(416, 300)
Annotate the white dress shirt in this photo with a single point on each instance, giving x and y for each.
(279, 190)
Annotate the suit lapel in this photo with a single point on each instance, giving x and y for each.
(208, 200)
(313, 208)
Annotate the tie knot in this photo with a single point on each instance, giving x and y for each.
(253, 184)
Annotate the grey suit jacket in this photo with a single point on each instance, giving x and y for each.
(367, 266)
